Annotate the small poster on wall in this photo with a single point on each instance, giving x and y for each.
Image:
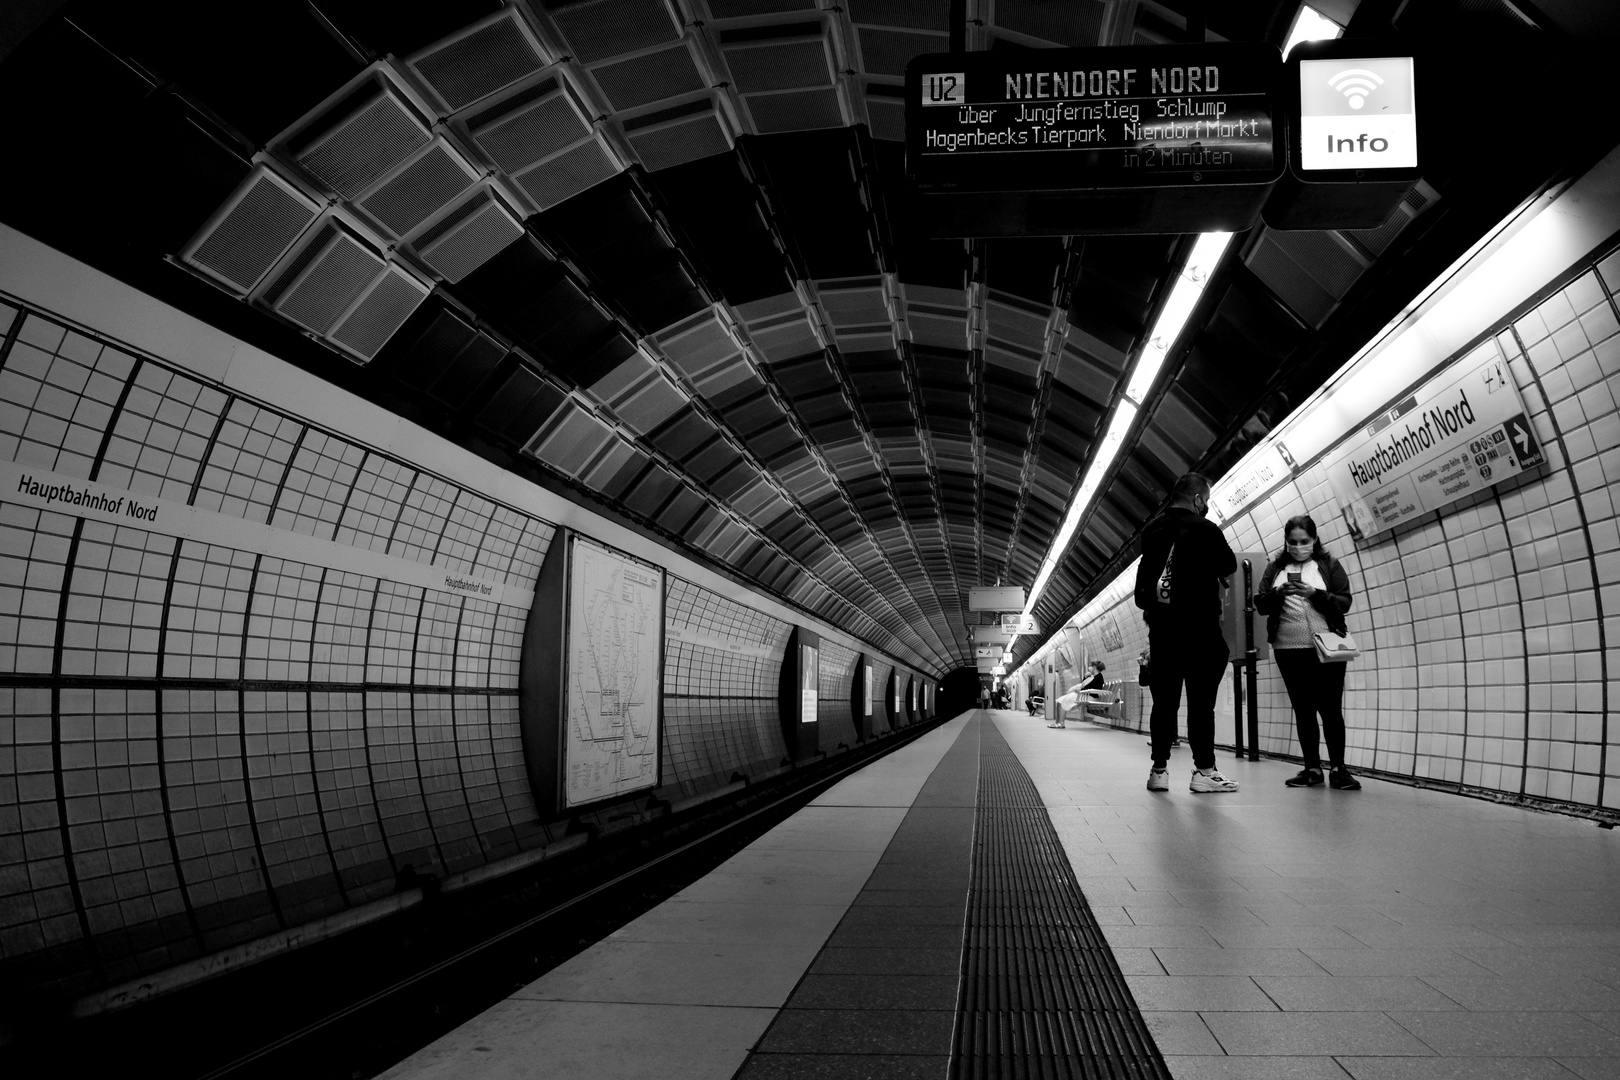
(809, 676)
(1112, 639)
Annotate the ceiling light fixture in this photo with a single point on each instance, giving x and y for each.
(1206, 256)
(1311, 25)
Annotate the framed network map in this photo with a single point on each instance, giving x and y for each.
(612, 673)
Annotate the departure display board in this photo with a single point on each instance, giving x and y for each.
(1076, 119)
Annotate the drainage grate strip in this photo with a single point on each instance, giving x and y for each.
(1041, 993)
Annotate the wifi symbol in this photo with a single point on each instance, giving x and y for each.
(1355, 84)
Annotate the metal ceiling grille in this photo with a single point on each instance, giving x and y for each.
(418, 191)
(556, 179)
(256, 230)
(468, 237)
(652, 77)
(926, 406)
(360, 146)
(473, 65)
(527, 127)
(598, 29)
(379, 314)
(678, 135)
(324, 280)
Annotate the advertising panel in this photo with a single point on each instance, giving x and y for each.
(809, 682)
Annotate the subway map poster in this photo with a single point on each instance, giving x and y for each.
(612, 674)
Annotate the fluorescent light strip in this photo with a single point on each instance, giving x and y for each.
(1309, 25)
(1189, 286)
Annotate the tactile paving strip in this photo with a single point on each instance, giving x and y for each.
(1041, 994)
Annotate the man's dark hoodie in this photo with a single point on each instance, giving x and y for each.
(1202, 556)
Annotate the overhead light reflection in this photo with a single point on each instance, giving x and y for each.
(1206, 255)
(1311, 25)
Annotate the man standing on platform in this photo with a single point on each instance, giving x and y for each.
(1185, 563)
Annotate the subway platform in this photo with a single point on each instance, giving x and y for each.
(1004, 899)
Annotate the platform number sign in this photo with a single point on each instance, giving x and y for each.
(944, 88)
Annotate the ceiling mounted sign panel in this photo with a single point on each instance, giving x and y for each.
(1008, 598)
(1070, 119)
(1162, 138)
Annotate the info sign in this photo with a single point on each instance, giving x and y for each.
(1457, 435)
(1358, 113)
(1075, 119)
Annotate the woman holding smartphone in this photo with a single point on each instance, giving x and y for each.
(1304, 591)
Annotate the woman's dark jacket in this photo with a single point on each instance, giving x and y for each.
(1332, 601)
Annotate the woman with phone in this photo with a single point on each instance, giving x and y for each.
(1304, 591)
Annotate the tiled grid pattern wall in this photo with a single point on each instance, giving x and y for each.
(243, 743)
(721, 713)
(1490, 627)
(881, 670)
(835, 720)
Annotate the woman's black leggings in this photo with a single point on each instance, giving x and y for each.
(1314, 687)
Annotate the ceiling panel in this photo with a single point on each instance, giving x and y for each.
(712, 224)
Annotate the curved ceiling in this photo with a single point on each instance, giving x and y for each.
(660, 256)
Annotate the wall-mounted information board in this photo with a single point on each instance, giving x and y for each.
(612, 673)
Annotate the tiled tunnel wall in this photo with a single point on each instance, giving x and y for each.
(271, 717)
(1490, 627)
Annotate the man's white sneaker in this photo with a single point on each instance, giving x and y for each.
(1158, 779)
(1206, 781)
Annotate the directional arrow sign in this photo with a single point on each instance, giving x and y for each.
(1523, 438)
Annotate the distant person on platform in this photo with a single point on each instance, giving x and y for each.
(1185, 562)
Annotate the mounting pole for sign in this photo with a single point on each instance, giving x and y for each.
(1196, 23)
(1251, 660)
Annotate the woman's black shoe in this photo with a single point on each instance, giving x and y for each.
(1306, 778)
(1341, 779)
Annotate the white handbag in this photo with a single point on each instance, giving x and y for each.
(1334, 648)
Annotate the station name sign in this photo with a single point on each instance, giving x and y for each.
(1460, 433)
(1077, 119)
